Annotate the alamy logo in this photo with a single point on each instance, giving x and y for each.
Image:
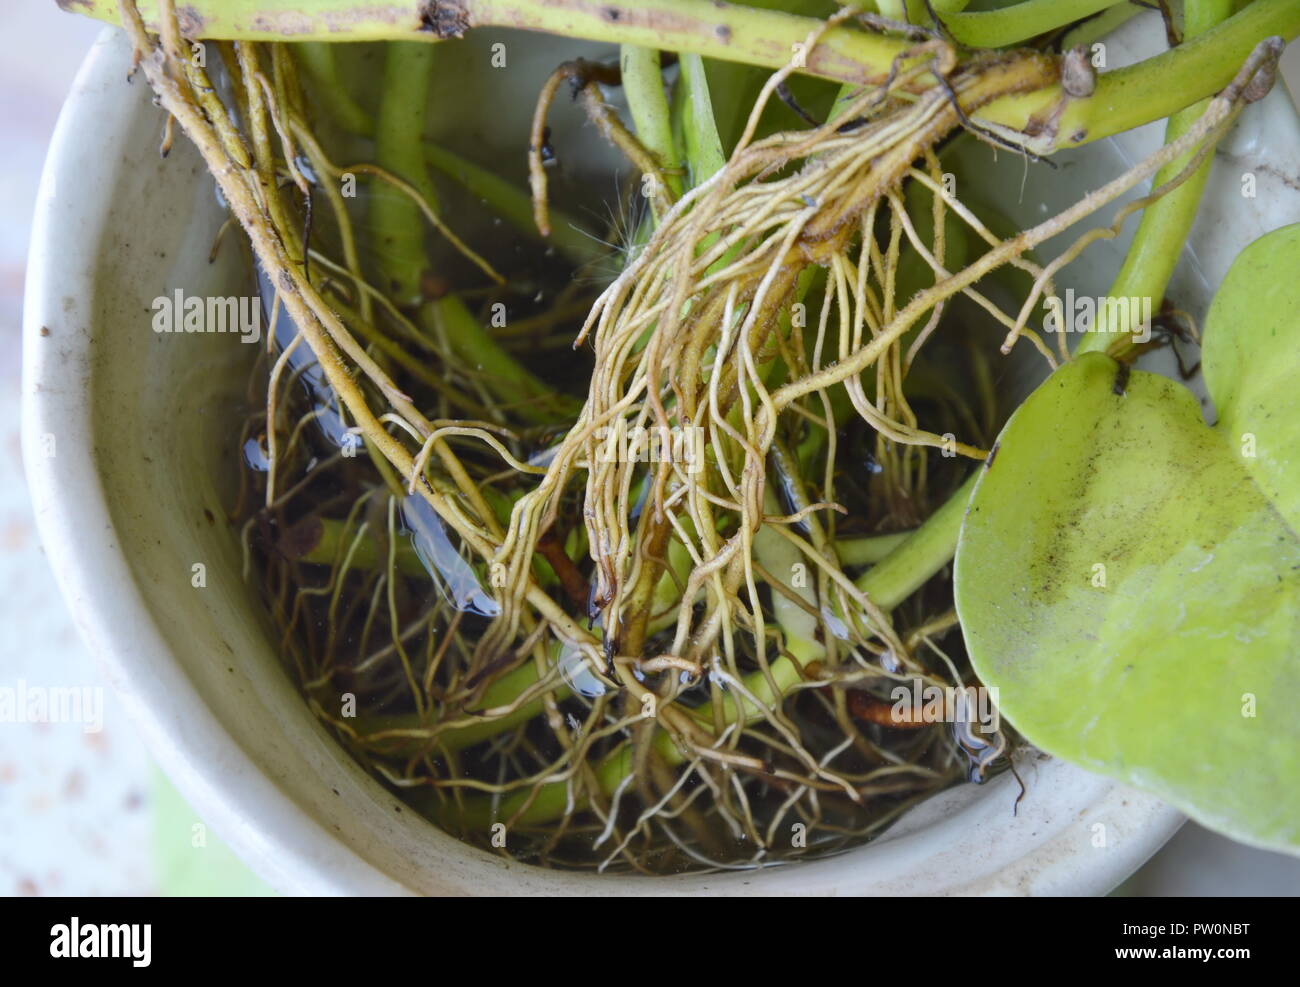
(923, 703)
(179, 312)
(23, 703)
(1081, 313)
(102, 941)
(660, 444)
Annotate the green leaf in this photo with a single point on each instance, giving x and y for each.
(1252, 364)
(1128, 578)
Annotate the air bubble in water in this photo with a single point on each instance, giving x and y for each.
(575, 669)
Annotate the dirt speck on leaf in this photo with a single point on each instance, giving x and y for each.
(444, 18)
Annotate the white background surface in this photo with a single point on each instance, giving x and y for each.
(75, 812)
(74, 806)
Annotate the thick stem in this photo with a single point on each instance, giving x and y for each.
(322, 541)
(317, 60)
(409, 734)
(719, 30)
(869, 549)
(920, 556)
(1124, 99)
(1165, 224)
(1094, 29)
(1152, 89)
(703, 149)
(918, 14)
(397, 234)
(1020, 22)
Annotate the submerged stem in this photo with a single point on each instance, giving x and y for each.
(396, 226)
(318, 61)
(923, 553)
(514, 385)
(514, 205)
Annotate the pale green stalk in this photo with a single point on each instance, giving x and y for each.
(1158, 242)
(647, 100)
(395, 222)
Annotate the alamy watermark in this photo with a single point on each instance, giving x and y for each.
(103, 940)
(23, 703)
(1108, 313)
(918, 702)
(619, 443)
(179, 312)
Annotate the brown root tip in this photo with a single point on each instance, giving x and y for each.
(1261, 84)
(863, 706)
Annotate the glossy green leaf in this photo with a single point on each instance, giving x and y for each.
(1128, 578)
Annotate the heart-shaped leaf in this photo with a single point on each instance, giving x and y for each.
(1128, 578)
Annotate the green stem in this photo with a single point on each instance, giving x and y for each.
(396, 224)
(1157, 87)
(643, 85)
(550, 803)
(703, 147)
(719, 30)
(502, 692)
(696, 132)
(894, 9)
(322, 541)
(1095, 28)
(1165, 224)
(917, 14)
(515, 206)
(870, 549)
(529, 396)
(317, 60)
(397, 234)
(1020, 22)
(925, 551)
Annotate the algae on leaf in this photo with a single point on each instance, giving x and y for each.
(1129, 578)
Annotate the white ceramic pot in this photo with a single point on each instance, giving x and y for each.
(128, 440)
